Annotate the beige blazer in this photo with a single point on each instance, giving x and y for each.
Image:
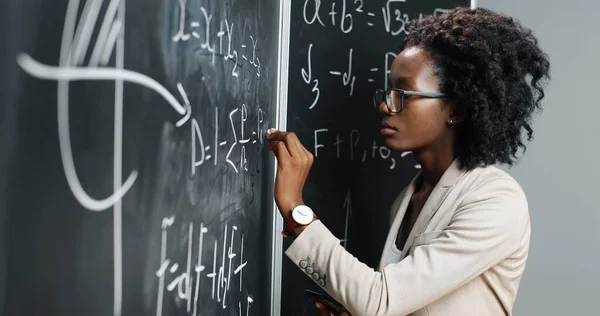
(465, 255)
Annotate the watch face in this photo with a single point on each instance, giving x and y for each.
(302, 214)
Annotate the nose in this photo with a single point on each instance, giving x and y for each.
(383, 108)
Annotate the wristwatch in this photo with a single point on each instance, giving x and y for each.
(302, 215)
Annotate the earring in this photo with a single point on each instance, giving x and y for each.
(450, 121)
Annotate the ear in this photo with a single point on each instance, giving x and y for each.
(455, 114)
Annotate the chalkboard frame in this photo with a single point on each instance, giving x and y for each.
(281, 123)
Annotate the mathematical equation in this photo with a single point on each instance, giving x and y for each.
(345, 16)
(343, 13)
(347, 75)
(245, 127)
(349, 147)
(206, 149)
(224, 37)
(243, 134)
(184, 280)
(394, 22)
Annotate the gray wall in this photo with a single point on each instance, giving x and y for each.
(560, 171)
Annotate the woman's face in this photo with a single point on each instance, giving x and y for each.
(423, 122)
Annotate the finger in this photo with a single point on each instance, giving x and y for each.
(272, 145)
(281, 152)
(309, 155)
(322, 310)
(277, 147)
(295, 146)
(291, 141)
(273, 141)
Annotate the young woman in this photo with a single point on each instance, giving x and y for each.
(463, 91)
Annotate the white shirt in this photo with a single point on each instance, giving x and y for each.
(394, 255)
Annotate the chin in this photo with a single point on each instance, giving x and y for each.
(395, 144)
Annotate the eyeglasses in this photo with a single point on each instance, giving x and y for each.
(394, 98)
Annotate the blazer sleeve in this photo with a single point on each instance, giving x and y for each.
(487, 227)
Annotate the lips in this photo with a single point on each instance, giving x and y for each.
(385, 124)
(387, 129)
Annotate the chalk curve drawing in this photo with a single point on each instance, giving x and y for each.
(68, 71)
(72, 66)
(42, 71)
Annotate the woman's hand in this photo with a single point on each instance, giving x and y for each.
(293, 164)
(325, 312)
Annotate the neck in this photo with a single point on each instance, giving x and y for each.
(433, 166)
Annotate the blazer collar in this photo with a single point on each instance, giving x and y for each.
(451, 175)
(439, 193)
(437, 196)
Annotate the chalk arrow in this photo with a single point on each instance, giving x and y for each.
(47, 72)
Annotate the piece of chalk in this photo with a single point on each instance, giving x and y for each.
(271, 130)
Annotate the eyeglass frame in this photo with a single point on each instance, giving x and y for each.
(387, 93)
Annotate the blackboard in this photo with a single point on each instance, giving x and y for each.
(340, 52)
(135, 178)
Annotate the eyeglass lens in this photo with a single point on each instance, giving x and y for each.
(393, 100)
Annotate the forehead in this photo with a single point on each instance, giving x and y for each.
(413, 66)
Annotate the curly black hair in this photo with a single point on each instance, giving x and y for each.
(494, 70)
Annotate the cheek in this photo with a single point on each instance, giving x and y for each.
(421, 124)
(426, 115)
(430, 124)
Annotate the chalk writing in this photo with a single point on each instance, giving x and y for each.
(394, 23)
(307, 76)
(184, 283)
(343, 13)
(397, 16)
(347, 20)
(389, 58)
(181, 35)
(359, 4)
(71, 68)
(348, 78)
(404, 154)
(355, 149)
(348, 213)
(315, 13)
(77, 37)
(208, 43)
(248, 136)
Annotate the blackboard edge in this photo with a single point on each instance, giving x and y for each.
(281, 124)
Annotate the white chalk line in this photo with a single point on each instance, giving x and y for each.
(42, 71)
